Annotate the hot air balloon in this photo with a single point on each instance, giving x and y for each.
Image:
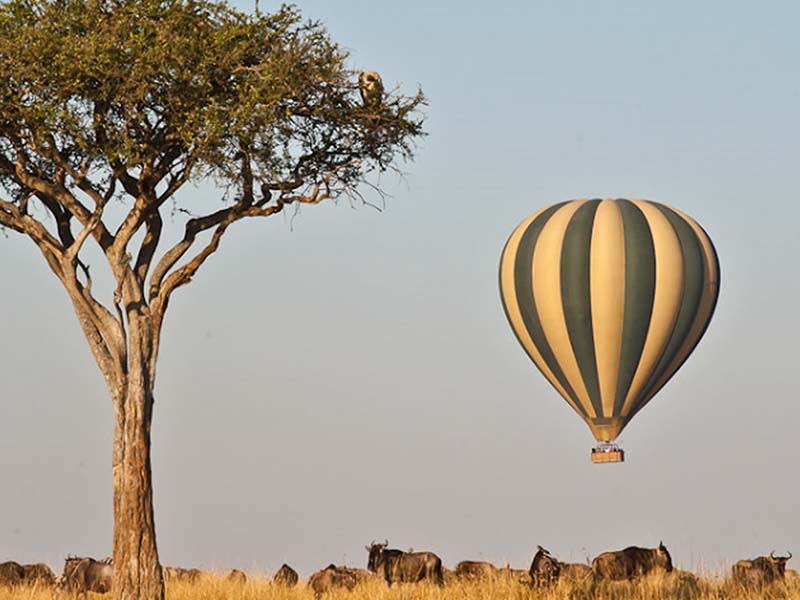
(609, 298)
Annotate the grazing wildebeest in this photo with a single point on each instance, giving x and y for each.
(39, 575)
(83, 575)
(475, 569)
(404, 567)
(760, 571)
(172, 574)
(236, 577)
(632, 562)
(544, 568)
(332, 578)
(11, 574)
(286, 576)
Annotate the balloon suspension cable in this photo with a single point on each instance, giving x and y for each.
(607, 452)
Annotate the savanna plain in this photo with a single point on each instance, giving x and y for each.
(679, 585)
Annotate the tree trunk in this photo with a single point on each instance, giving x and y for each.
(137, 573)
(128, 366)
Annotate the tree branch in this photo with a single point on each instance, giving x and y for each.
(176, 181)
(174, 254)
(57, 191)
(24, 223)
(245, 207)
(148, 248)
(146, 211)
(161, 289)
(101, 339)
(8, 216)
(74, 249)
(62, 218)
(101, 329)
(103, 323)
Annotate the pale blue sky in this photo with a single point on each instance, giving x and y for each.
(353, 377)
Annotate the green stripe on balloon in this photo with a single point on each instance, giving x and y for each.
(640, 283)
(576, 298)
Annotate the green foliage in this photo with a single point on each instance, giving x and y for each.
(189, 88)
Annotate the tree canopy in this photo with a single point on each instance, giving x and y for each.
(134, 98)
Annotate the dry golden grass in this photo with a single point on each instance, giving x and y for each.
(679, 586)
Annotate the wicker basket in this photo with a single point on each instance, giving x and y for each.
(608, 456)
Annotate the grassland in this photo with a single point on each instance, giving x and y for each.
(681, 586)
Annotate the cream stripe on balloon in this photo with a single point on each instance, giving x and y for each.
(607, 285)
(547, 296)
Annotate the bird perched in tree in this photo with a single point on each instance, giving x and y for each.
(371, 88)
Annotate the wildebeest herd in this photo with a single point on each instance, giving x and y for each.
(83, 574)
(393, 566)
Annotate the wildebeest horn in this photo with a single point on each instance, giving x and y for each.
(385, 542)
(772, 555)
(790, 555)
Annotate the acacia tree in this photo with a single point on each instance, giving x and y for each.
(108, 108)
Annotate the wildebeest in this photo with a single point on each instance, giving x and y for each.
(332, 578)
(82, 575)
(286, 576)
(404, 567)
(544, 568)
(632, 562)
(11, 574)
(236, 577)
(475, 569)
(39, 574)
(178, 574)
(760, 571)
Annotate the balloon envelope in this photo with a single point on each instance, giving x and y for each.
(609, 298)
